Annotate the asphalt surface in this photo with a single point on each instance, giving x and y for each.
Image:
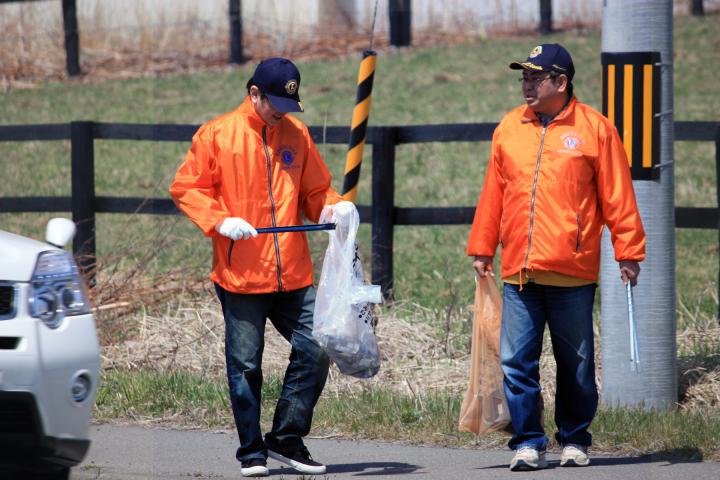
(135, 453)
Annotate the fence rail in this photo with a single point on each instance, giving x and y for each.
(383, 214)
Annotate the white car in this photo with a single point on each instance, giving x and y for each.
(49, 356)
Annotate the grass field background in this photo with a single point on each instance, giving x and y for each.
(465, 83)
(433, 277)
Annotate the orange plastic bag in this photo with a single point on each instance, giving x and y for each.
(484, 408)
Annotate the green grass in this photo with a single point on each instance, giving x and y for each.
(464, 83)
(148, 394)
(189, 399)
(688, 434)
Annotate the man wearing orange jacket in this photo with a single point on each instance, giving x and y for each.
(557, 174)
(257, 166)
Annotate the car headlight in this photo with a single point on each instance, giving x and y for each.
(57, 289)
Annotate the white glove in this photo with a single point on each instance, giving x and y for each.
(236, 228)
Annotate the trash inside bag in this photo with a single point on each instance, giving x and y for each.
(343, 323)
(484, 408)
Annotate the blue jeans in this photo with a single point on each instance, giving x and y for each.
(292, 315)
(568, 313)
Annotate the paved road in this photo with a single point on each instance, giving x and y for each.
(134, 453)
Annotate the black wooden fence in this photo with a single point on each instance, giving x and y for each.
(72, 35)
(383, 214)
(72, 39)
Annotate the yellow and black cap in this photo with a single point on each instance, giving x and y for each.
(279, 80)
(548, 57)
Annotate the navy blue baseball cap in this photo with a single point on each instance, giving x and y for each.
(279, 80)
(548, 57)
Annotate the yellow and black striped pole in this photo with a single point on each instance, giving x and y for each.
(631, 101)
(358, 127)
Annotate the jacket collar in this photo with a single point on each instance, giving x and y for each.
(529, 115)
(254, 120)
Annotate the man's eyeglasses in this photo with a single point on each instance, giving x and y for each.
(535, 79)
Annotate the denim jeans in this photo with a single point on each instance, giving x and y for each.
(568, 313)
(292, 315)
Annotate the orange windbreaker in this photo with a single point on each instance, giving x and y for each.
(240, 167)
(549, 190)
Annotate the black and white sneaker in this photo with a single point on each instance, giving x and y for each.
(256, 467)
(299, 459)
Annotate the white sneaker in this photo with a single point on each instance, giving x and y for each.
(257, 467)
(574, 456)
(528, 458)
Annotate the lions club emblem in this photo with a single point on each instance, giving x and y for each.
(571, 141)
(288, 158)
(291, 86)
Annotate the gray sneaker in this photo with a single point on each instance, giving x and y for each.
(574, 456)
(528, 458)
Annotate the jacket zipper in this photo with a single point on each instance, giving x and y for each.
(501, 230)
(272, 210)
(532, 198)
(577, 243)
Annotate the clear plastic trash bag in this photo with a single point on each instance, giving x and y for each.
(343, 323)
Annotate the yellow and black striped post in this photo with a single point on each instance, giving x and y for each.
(358, 127)
(631, 100)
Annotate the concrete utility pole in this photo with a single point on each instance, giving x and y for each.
(642, 27)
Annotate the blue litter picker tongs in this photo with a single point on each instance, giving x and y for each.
(634, 351)
(290, 228)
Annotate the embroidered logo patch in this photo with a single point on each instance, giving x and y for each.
(536, 51)
(287, 156)
(571, 141)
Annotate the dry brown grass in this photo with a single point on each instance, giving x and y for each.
(187, 333)
(699, 367)
(44, 60)
(32, 41)
(33, 49)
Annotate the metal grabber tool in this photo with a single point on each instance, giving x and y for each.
(634, 351)
(289, 228)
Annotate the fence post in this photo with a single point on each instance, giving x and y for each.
(696, 7)
(717, 193)
(400, 15)
(83, 195)
(545, 17)
(383, 207)
(236, 33)
(72, 40)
